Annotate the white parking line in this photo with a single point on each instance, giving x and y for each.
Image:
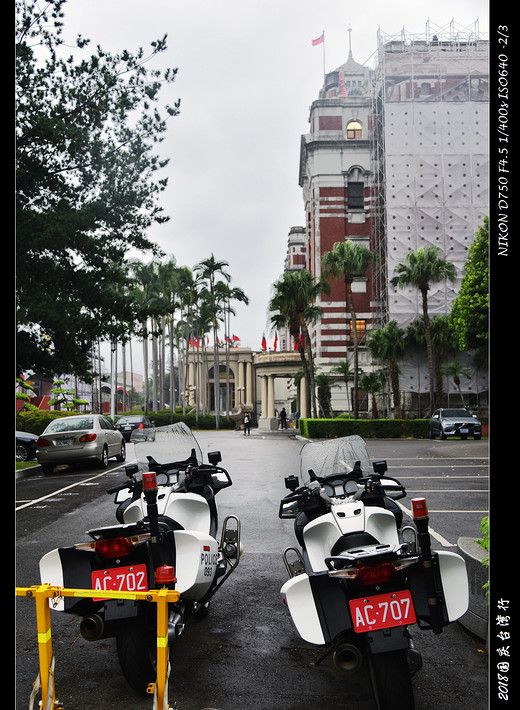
(432, 532)
(72, 485)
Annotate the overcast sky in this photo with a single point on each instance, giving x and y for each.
(247, 75)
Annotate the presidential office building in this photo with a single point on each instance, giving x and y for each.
(396, 158)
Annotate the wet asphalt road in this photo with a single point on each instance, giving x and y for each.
(245, 654)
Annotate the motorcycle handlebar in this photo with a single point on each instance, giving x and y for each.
(121, 486)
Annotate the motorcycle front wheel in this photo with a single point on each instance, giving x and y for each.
(136, 651)
(391, 681)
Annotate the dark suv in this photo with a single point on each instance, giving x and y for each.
(454, 422)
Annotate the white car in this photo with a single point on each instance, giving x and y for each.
(77, 438)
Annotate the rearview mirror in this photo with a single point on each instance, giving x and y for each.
(214, 457)
(291, 482)
(380, 467)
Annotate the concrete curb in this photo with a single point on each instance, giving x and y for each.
(29, 471)
(476, 618)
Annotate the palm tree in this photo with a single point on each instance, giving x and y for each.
(444, 343)
(324, 384)
(371, 382)
(455, 370)
(225, 295)
(348, 260)
(168, 278)
(343, 368)
(388, 345)
(293, 306)
(420, 269)
(187, 297)
(209, 268)
(144, 294)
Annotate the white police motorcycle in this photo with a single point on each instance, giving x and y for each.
(359, 579)
(166, 536)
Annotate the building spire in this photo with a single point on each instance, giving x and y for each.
(349, 42)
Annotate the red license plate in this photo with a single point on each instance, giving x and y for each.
(121, 579)
(382, 611)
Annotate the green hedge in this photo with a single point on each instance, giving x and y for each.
(35, 422)
(366, 428)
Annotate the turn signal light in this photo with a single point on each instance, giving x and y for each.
(87, 437)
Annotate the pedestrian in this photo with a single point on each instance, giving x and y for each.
(283, 418)
(247, 424)
(296, 417)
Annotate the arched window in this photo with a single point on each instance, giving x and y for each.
(354, 129)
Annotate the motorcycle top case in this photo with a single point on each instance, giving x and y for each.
(193, 554)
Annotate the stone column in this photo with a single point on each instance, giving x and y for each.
(249, 383)
(270, 396)
(264, 397)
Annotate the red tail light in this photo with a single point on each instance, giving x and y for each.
(141, 426)
(376, 573)
(87, 437)
(114, 547)
(43, 442)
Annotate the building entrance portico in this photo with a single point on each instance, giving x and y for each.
(270, 367)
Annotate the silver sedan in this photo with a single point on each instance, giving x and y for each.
(78, 438)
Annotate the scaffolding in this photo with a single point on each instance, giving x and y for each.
(430, 156)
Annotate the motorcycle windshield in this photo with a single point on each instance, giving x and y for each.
(334, 456)
(165, 444)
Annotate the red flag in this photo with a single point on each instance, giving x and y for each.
(264, 343)
(275, 341)
(319, 40)
(235, 337)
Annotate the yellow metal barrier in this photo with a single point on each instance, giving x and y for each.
(45, 680)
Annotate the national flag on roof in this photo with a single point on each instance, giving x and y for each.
(264, 343)
(319, 39)
(235, 337)
(275, 341)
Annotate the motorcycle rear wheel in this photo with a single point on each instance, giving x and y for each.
(390, 679)
(136, 651)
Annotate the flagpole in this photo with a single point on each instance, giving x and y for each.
(323, 54)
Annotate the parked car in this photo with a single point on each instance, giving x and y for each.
(77, 438)
(25, 446)
(454, 422)
(129, 422)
